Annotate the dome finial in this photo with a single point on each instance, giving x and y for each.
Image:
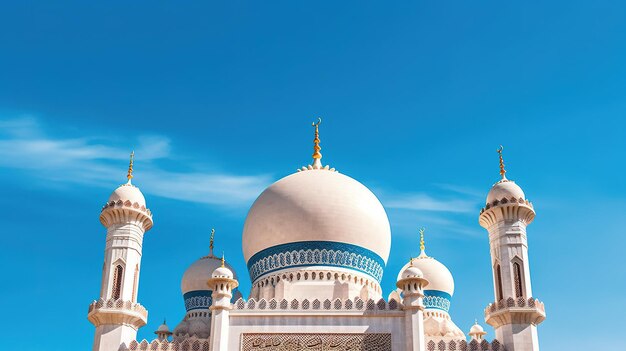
(422, 244)
(502, 170)
(223, 259)
(211, 241)
(317, 156)
(130, 167)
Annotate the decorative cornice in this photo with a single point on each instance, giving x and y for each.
(462, 345)
(307, 305)
(117, 312)
(515, 311)
(506, 209)
(122, 211)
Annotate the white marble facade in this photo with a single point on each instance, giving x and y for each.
(316, 244)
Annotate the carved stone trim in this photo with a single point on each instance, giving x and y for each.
(318, 342)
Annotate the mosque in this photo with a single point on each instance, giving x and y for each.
(316, 243)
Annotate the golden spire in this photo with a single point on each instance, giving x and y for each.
(130, 167)
(223, 259)
(211, 241)
(317, 156)
(422, 246)
(502, 170)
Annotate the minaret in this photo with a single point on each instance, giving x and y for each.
(476, 332)
(163, 332)
(116, 314)
(412, 283)
(222, 283)
(515, 313)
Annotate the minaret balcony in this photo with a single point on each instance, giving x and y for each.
(111, 311)
(515, 311)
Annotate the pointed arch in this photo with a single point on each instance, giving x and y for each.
(498, 280)
(118, 274)
(518, 276)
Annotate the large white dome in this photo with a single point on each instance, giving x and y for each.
(316, 218)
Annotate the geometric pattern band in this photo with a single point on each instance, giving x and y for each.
(318, 342)
(316, 253)
(201, 299)
(197, 299)
(436, 299)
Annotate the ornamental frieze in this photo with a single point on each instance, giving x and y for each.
(316, 342)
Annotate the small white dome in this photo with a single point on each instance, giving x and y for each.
(181, 329)
(438, 276)
(438, 293)
(128, 192)
(316, 218)
(222, 272)
(505, 189)
(163, 328)
(412, 272)
(476, 329)
(199, 327)
(197, 275)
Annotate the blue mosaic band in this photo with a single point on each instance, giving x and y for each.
(201, 299)
(316, 253)
(197, 299)
(436, 299)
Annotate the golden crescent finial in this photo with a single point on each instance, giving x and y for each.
(316, 142)
(211, 241)
(223, 265)
(130, 167)
(422, 244)
(502, 170)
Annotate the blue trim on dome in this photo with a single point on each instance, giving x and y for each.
(437, 299)
(197, 299)
(201, 299)
(316, 253)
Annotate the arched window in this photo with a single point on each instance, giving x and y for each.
(517, 278)
(498, 283)
(118, 273)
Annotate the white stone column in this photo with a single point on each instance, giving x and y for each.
(222, 285)
(515, 319)
(116, 314)
(412, 285)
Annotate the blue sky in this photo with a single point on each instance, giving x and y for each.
(217, 98)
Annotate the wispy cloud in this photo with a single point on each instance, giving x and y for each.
(446, 208)
(425, 202)
(26, 145)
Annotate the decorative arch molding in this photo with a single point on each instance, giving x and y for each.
(517, 269)
(497, 275)
(118, 281)
(119, 260)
